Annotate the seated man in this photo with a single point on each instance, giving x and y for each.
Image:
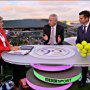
(83, 33)
(52, 32)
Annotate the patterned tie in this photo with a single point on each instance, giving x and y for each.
(84, 29)
(52, 36)
(84, 32)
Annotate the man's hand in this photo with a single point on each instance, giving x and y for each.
(59, 39)
(45, 37)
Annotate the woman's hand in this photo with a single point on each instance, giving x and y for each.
(14, 48)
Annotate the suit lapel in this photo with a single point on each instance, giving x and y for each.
(56, 30)
(81, 29)
(49, 29)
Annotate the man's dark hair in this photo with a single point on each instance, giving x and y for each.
(86, 13)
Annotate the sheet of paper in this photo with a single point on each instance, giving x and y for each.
(23, 52)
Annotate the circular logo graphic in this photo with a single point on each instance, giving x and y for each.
(60, 52)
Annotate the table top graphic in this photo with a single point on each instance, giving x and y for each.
(55, 52)
(66, 55)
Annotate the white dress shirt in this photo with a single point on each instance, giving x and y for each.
(86, 26)
(54, 35)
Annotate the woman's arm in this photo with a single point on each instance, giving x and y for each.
(2, 48)
(7, 47)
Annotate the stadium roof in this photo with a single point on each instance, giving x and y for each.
(26, 23)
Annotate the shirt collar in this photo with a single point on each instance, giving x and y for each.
(54, 26)
(87, 24)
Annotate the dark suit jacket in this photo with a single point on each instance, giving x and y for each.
(83, 36)
(59, 31)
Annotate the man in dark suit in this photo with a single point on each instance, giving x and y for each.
(53, 33)
(83, 33)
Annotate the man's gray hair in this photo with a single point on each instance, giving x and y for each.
(54, 15)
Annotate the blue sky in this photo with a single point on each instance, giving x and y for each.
(66, 10)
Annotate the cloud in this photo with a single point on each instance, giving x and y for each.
(42, 9)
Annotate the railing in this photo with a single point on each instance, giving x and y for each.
(31, 37)
(25, 37)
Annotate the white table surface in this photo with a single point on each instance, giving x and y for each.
(75, 60)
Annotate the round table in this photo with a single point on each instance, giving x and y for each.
(75, 60)
(50, 56)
